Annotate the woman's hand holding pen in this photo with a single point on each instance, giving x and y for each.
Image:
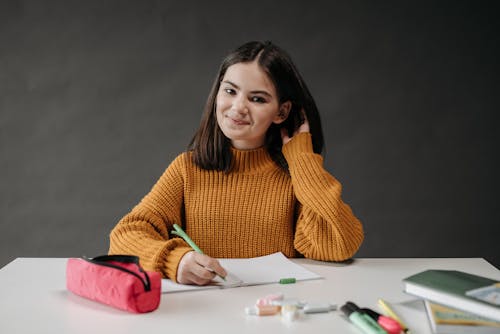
(304, 127)
(199, 269)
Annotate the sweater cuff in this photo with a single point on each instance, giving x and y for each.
(300, 143)
(171, 263)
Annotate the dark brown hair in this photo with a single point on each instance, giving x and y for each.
(211, 148)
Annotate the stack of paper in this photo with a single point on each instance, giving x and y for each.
(253, 271)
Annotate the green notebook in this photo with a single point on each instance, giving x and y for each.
(463, 291)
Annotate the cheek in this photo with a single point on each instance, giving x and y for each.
(219, 111)
(221, 102)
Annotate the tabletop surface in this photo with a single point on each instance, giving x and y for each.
(34, 299)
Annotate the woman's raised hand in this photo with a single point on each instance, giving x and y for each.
(304, 127)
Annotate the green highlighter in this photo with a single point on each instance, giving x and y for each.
(362, 320)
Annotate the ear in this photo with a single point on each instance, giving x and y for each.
(283, 112)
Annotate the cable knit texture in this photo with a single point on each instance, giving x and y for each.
(256, 209)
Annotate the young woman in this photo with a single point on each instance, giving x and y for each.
(252, 182)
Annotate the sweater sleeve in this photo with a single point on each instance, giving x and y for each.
(144, 231)
(326, 229)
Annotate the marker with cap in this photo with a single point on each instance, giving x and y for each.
(388, 310)
(362, 320)
(387, 323)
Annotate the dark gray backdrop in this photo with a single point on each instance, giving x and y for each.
(97, 97)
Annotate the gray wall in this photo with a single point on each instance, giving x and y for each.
(97, 97)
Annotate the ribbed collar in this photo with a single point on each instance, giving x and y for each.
(251, 161)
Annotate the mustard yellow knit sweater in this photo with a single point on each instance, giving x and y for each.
(256, 209)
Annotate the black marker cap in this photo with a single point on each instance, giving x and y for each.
(349, 308)
(374, 315)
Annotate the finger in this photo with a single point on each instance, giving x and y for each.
(304, 127)
(191, 272)
(202, 272)
(201, 276)
(284, 136)
(211, 264)
(216, 268)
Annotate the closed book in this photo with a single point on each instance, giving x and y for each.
(467, 292)
(447, 320)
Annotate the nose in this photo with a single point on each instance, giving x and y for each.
(239, 105)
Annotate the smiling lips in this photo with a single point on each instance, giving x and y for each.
(238, 121)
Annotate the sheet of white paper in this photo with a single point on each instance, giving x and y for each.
(254, 271)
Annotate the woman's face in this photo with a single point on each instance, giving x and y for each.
(247, 104)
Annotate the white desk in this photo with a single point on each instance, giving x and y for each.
(33, 299)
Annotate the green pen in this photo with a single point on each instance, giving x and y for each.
(180, 232)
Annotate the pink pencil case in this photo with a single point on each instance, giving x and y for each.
(115, 280)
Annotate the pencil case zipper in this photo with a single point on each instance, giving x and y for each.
(102, 261)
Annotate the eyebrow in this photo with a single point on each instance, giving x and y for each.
(253, 92)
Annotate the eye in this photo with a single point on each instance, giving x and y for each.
(229, 91)
(258, 99)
